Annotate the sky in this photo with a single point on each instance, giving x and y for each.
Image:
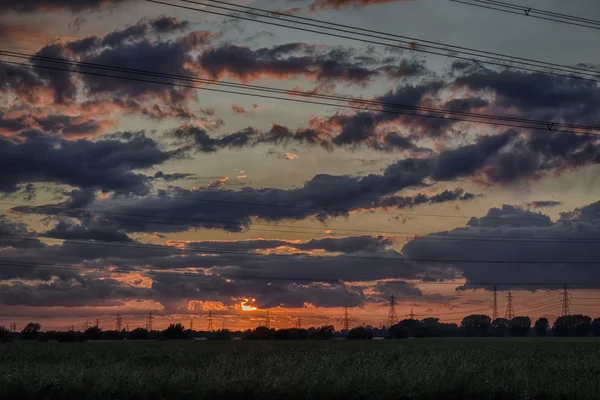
(141, 172)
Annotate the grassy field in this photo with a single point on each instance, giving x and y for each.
(399, 369)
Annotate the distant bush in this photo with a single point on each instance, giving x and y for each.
(70, 337)
(359, 333)
(325, 332)
(175, 332)
(139, 334)
(260, 333)
(93, 333)
(31, 331)
(5, 335)
(221, 334)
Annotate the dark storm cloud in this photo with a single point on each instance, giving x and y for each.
(544, 203)
(99, 230)
(299, 279)
(539, 96)
(16, 235)
(104, 164)
(300, 59)
(173, 177)
(347, 245)
(138, 46)
(27, 6)
(326, 196)
(513, 234)
(78, 292)
(65, 125)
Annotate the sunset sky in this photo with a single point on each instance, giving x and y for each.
(127, 192)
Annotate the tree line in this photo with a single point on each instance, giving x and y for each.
(475, 325)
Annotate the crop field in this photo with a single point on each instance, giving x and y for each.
(394, 369)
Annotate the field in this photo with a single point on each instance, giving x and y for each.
(398, 369)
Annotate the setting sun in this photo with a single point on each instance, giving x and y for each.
(246, 307)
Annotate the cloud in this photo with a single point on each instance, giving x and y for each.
(98, 230)
(302, 60)
(347, 245)
(323, 5)
(307, 279)
(156, 42)
(236, 108)
(509, 234)
(328, 196)
(104, 164)
(544, 203)
(29, 6)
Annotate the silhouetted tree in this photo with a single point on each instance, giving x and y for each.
(519, 326)
(93, 333)
(221, 334)
(70, 336)
(175, 332)
(323, 333)
(500, 327)
(31, 331)
(139, 334)
(541, 327)
(359, 333)
(113, 335)
(476, 325)
(47, 336)
(5, 335)
(572, 325)
(596, 327)
(290, 334)
(260, 333)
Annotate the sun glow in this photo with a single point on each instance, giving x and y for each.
(246, 307)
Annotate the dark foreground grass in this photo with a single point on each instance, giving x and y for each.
(409, 369)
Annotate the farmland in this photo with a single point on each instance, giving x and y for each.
(394, 369)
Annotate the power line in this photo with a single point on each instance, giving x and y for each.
(531, 12)
(435, 113)
(412, 44)
(543, 124)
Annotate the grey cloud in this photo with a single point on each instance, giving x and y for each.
(347, 245)
(512, 234)
(104, 164)
(544, 203)
(98, 230)
(28, 6)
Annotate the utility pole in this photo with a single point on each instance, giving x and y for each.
(119, 323)
(299, 323)
(510, 311)
(191, 323)
(268, 320)
(346, 321)
(392, 316)
(149, 322)
(566, 301)
(210, 321)
(97, 323)
(86, 325)
(495, 306)
(222, 325)
(13, 327)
